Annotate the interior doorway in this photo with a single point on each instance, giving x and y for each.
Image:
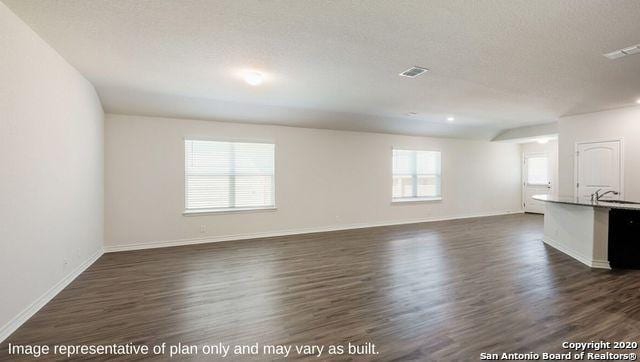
(598, 167)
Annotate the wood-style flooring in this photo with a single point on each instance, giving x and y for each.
(445, 290)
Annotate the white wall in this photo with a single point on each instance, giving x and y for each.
(528, 133)
(601, 126)
(51, 179)
(324, 179)
(551, 150)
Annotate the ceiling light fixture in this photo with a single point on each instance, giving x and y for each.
(638, 101)
(451, 119)
(253, 78)
(542, 140)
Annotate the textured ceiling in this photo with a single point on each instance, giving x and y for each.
(494, 64)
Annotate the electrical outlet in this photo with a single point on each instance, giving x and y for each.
(203, 229)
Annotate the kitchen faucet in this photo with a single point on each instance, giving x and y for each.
(597, 196)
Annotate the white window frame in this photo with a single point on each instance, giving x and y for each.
(227, 210)
(401, 200)
(525, 170)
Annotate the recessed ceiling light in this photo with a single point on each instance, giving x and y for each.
(451, 119)
(253, 78)
(638, 101)
(542, 140)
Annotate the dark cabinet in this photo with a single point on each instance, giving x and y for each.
(624, 239)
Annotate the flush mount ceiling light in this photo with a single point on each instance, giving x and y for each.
(638, 101)
(451, 119)
(635, 49)
(253, 78)
(413, 72)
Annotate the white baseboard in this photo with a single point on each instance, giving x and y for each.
(600, 264)
(215, 239)
(15, 323)
(593, 263)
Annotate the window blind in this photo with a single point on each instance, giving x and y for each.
(537, 170)
(228, 175)
(416, 175)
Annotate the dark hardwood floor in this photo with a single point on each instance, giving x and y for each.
(432, 291)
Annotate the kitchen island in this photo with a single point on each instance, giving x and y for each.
(600, 234)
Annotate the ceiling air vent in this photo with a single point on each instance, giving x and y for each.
(413, 72)
(623, 52)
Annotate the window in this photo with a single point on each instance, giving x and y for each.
(223, 176)
(537, 170)
(416, 175)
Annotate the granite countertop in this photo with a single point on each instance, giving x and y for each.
(571, 200)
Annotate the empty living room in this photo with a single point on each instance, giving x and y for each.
(320, 180)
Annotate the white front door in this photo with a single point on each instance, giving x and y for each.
(598, 166)
(536, 181)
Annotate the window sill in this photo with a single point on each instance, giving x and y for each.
(415, 199)
(228, 211)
